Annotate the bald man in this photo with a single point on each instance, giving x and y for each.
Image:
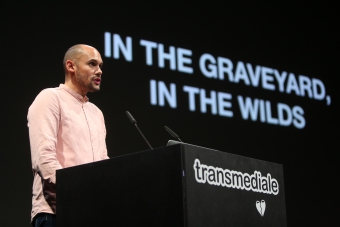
(65, 129)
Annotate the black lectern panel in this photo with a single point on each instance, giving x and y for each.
(230, 190)
(130, 190)
(179, 185)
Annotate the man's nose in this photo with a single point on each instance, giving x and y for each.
(99, 71)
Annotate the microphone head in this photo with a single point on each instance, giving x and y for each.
(133, 121)
(171, 132)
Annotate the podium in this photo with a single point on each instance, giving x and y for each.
(178, 185)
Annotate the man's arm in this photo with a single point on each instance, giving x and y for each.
(43, 122)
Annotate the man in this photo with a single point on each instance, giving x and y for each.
(65, 129)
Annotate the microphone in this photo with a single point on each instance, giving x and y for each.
(172, 133)
(134, 122)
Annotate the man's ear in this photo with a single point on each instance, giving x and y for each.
(70, 66)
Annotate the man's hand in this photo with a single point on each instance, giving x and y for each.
(49, 191)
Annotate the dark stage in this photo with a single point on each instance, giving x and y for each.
(252, 79)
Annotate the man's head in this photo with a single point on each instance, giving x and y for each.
(82, 66)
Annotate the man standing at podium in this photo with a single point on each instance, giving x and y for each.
(65, 129)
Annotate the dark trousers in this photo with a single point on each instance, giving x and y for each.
(44, 220)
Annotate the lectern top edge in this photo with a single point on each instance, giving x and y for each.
(174, 142)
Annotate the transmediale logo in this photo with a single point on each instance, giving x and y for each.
(235, 179)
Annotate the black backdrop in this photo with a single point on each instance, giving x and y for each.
(291, 37)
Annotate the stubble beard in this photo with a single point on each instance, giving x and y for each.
(88, 86)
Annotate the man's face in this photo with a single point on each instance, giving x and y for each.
(88, 70)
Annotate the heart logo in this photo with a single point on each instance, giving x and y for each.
(261, 207)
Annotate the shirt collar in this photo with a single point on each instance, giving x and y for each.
(74, 94)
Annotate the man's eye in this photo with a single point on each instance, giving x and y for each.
(92, 64)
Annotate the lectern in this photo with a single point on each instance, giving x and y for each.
(178, 185)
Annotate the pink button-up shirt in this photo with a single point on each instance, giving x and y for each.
(65, 130)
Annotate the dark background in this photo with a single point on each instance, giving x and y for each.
(292, 37)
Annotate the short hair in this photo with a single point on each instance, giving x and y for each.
(73, 53)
